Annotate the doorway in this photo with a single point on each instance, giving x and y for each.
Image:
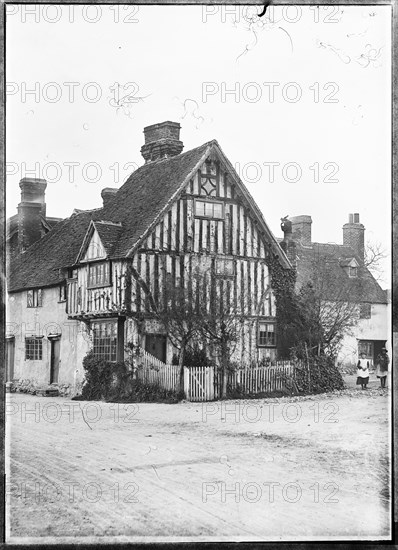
(54, 366)
(155, 344)
(371, 349)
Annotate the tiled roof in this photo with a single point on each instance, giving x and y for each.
(146, 193)
(42, 262)
(135, 208)
(109, 233)
(328, 259)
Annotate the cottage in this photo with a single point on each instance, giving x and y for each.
(344, 276)
(97, 279)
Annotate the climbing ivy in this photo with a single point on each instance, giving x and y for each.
(283, 282)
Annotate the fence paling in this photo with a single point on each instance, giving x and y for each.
(261, 379)
(154, 371)
(204, 383)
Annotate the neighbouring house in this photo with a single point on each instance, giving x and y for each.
(343, 272)
(31, 223)
(97, 278)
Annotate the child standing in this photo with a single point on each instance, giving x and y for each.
(382, 367)
(363, 371)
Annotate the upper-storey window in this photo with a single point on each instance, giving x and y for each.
(353, 271)
(365, 311)
(62, 293)
(99, 274)
(34, 298)
(209, 209)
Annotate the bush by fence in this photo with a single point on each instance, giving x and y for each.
(318, 375)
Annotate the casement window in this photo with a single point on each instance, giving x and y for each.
(62, 293)
(207, 209)
(225, 267)
(99, 275)
(34, 348)
(365, 311)
(105, 339)
(353, 271)
(266, 334)
(34, 298)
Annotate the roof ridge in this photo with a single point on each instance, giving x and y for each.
(105, 222)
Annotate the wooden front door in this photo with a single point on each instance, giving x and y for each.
(10, 353)
(54, 369)
(155, 344)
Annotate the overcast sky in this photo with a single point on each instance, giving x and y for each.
(306, 123)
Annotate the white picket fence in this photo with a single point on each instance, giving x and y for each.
(261, 379)
(153, 371)
(205, 383)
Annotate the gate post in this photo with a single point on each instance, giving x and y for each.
(210, 382)
(186, 383)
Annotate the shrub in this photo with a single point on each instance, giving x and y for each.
(116, 382)
(318, 375)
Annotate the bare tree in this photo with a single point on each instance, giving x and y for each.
(180, 318)
(375, 253)
(328, 309)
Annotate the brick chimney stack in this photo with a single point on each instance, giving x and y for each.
(301, 229)
(354, 235)
(31, 210)
(161, 141)
(108, 194)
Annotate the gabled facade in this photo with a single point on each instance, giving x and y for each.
(344, 274)
(178, 214)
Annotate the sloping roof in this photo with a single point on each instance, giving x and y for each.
(109, 233)
(136, 208)
(12, 224)
(326, 259)
(145, 194)
(42, 262)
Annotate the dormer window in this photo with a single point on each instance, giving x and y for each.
(353, 271)
(350, 266)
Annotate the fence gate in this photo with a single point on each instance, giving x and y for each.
(199, 383)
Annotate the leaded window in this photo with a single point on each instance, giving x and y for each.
(105, 339)
(99, 275)
(34, 348)
(34, 298)
(266, 334)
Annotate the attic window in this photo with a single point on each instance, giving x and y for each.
(353, 271)
(207, 209)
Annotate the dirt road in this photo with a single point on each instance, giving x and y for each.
(280, 469)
